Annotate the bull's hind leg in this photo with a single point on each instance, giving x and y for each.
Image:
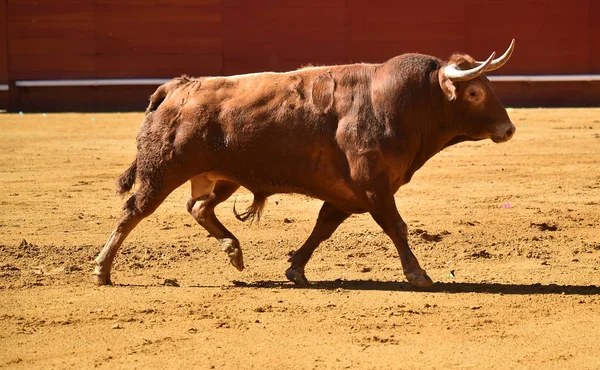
(330, 217)
(206, 195)
(139, 206)
(153, 190)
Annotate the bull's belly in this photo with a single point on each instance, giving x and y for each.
(333, 190)
(275, 161)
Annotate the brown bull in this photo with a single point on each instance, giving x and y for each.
(349, 135)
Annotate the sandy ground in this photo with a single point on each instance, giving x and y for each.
(509, 232)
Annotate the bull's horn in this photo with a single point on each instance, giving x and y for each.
(454, 74)
(497, 63)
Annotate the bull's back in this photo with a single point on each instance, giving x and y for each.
(271, 132)
(262, 131)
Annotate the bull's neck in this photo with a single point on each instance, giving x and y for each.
(419, 118)
(435, 131)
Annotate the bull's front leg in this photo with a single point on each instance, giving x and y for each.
(330, 217)
(385, 213)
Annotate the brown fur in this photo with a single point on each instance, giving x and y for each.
(127, 179)
(350, 135)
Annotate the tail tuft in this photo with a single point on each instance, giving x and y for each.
(163, 90)
(253, 212)
(157, 98)
(127, 179)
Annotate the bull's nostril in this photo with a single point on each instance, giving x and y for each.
(509, 133)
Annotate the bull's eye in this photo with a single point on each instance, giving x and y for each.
(474, 94)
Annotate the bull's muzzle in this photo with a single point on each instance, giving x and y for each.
(503, 132)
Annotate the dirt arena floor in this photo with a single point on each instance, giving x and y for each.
(509, 232)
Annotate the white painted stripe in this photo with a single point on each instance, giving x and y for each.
(545, 78)
(3, 87)
(160, 81)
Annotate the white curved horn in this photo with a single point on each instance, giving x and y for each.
(454, 74)
(497, 63)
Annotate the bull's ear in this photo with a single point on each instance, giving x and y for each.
(447, 85)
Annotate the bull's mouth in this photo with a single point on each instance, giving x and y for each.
(498, 140)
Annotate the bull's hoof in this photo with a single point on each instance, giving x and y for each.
(101, 279)
(234, 252)
(419, 279)
(296, 276)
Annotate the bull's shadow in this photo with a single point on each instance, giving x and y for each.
(440, 287)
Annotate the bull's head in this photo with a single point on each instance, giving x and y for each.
(465, 85)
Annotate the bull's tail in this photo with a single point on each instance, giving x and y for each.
(127, 178)
(163, 90)
(158, 97)
(253, 212)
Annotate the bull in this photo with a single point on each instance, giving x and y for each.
(349, 135)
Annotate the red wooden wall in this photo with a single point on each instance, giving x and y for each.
(3, 55)
(94, 39)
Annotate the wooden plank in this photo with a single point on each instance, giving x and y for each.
(180, 3)
(50, 11)
(594, 46)
(82, 99)
(240, 66)
(381, 30)
(297, 50)
(50, 19)
(3, 52)
(144, 32)
(46, 46)
(552, 36)
(326, 25)
(131, 45)
(289, 17)
(266, 5)
(172, 3)
(157, 65)
(55, 2)
(50, 30)
(377, 51)
(435, 12)
(50, 39)
(24, 67)
(160, 13)
(282, 37)
(548, 94)
(5, 100)
(166, 38)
